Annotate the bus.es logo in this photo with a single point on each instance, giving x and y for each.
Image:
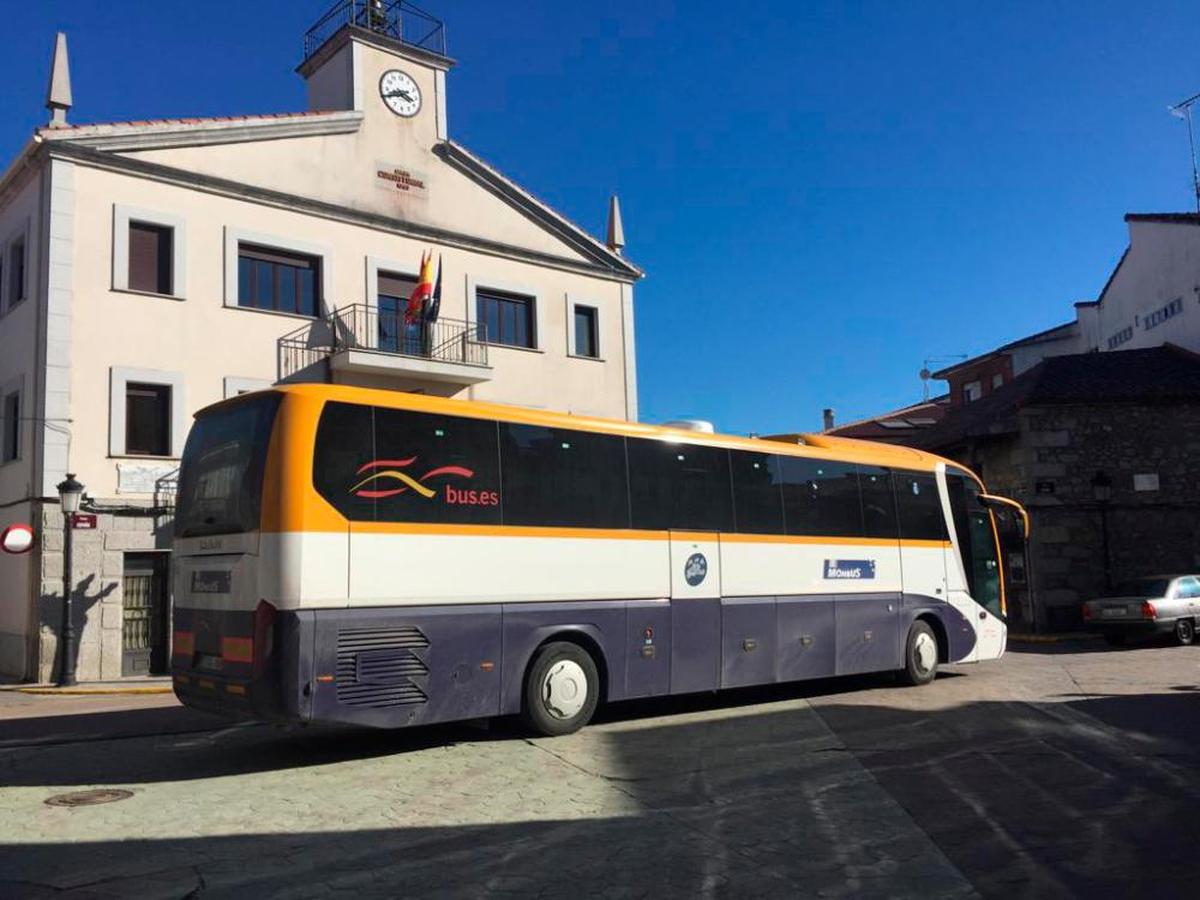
(384, 478)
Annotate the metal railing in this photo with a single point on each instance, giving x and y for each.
(361, 326)
(397, 19)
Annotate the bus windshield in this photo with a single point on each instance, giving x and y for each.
(220, 481)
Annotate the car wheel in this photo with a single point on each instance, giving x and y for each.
(920, 655)
(1115, 640)
(562, 688)
(1185, 632)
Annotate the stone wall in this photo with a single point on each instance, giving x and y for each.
(1048, 462)
(97, 569)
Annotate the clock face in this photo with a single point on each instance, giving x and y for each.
(400, 93)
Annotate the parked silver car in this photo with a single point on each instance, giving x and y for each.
(1157, 604)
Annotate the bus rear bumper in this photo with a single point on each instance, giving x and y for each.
(219, 665)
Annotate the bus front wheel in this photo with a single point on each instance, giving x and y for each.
(562, 687)
(920, 655)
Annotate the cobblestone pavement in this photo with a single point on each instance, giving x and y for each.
(1057, 771)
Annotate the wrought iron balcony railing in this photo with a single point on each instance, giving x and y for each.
(361, 326)
(397, 19)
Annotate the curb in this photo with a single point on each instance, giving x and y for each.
(84, 689)
(1049, 638)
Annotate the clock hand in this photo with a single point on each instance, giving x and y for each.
(398, 93)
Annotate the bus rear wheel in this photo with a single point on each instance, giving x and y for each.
(920, 655)
(562, 688)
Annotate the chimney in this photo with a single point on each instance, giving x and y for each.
(58, 93)
(827, 416)
(616, 230)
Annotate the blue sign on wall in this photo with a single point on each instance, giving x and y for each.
(852, 569)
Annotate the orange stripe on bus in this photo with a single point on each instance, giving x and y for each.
(237, 649)
(623, 534)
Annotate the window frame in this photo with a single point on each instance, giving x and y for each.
(574, 303)
(521, 291)
(236, 385)
(323, 253)
(123, 217)
(119, 379)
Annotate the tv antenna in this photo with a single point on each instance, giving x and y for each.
(1183, 110)
(926, 374)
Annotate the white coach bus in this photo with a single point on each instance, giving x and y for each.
(390, 559)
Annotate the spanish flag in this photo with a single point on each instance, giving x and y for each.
(434, 303)
(422, 292)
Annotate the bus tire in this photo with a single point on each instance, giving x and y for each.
(920, 655)
(562, 688)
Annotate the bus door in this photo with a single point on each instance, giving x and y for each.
(695, 611)
(973, 573)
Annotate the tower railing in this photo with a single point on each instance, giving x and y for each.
(396, 19)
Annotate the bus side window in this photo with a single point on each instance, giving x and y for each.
(345, 440)
(434, 468)
(920, 507)
(553, 476)
(821, 498)
(878, 501)
(757, 492)
(681, 486)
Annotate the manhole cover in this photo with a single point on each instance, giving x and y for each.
(89, 798)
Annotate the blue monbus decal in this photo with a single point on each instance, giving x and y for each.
(852, 569)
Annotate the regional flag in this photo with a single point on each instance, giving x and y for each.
(434, 303)
(422, 292)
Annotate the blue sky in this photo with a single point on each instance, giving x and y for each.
(822, 194)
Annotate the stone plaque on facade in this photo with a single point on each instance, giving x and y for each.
(401, 181)
(146, 477)
(1147, 481)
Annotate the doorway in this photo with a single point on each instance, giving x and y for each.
(144, 615)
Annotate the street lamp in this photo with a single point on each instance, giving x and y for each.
(69, 493)
(1102, 491)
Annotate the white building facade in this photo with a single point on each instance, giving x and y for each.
(151, 268)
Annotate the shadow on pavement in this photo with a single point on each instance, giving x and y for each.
(1025, 800)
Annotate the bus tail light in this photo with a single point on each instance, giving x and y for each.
(183, 644)
(1148, 610)
(264, 635)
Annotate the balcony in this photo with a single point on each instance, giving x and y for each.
(395, 19)
(361, 339)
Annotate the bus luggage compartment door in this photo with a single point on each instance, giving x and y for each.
(695, 560)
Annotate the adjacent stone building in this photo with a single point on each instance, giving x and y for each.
(1103, 449)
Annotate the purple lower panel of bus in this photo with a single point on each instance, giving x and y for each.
(397, 666)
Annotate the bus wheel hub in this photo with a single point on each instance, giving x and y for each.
(926, 652)
(564, 689)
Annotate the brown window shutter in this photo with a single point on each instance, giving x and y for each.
(150, 258)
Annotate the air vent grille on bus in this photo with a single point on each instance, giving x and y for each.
(381, 667)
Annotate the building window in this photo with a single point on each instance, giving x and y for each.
(1170, 311)
(151, 257)
(278, 280)
(587, 340)
(147, 419)
(16, 272)
(505, 319)
(972, 390)
(12, 428)
(396, 335)
(997, 380)
(1121, 337)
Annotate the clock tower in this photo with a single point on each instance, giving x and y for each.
(386, 60)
